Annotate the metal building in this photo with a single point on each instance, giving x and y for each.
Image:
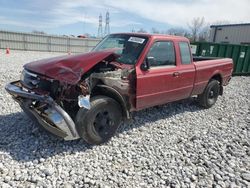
(230, 34)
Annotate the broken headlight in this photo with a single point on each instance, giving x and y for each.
(29, 80)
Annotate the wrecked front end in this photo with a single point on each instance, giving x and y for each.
(54, 102)
(40, 99)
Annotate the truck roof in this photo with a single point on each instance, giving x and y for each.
(156, 36)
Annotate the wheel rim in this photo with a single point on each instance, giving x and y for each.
(213, 94)
(103, 123)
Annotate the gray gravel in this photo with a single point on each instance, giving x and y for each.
(175, 145)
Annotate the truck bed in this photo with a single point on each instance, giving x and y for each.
(201, 58)
(205, 67)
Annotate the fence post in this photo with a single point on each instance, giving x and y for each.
(86, 46)
(24, 42)
(68, 44)
(49, 43)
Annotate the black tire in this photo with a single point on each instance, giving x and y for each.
(99, 124)
(210, 95)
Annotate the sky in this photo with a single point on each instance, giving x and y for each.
(81, 16)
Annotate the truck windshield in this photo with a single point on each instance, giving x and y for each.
(128, 47)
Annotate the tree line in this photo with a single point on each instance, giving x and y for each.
(197, 30)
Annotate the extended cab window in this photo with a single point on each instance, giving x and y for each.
(185, 53)
(162, 53)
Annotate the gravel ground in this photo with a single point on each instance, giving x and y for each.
(175, 145)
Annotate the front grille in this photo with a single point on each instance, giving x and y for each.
(29, 80)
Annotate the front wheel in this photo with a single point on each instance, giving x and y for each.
(100, 123)
(210, 95)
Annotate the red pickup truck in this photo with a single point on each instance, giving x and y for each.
(88, 95)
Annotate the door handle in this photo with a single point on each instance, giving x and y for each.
(176, 74)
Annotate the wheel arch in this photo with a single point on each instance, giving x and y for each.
(218, 77)
(114, 94)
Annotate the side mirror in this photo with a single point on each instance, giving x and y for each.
(146, 64)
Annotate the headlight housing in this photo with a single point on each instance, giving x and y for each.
(29, 80)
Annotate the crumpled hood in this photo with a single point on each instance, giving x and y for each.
(69, 68)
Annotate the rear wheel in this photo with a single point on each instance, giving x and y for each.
(100, 123)
(210, 95)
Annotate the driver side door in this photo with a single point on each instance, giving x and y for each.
(158, 84)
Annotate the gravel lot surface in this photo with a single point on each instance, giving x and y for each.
(175, 145)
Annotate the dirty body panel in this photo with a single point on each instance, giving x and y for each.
(122, 81)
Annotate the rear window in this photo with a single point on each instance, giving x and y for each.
(185, 53)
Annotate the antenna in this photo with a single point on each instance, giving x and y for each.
(107, 28)
(100, 27)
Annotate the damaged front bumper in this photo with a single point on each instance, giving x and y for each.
(49, 114)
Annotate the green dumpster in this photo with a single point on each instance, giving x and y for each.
(240, 61)
(229, 51)
(239, 53)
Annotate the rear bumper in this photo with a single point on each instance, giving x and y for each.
(50, 116)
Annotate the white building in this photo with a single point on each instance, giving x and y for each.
(230, 34)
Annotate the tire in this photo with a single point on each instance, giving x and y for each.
(210, 95)
(99, 124)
